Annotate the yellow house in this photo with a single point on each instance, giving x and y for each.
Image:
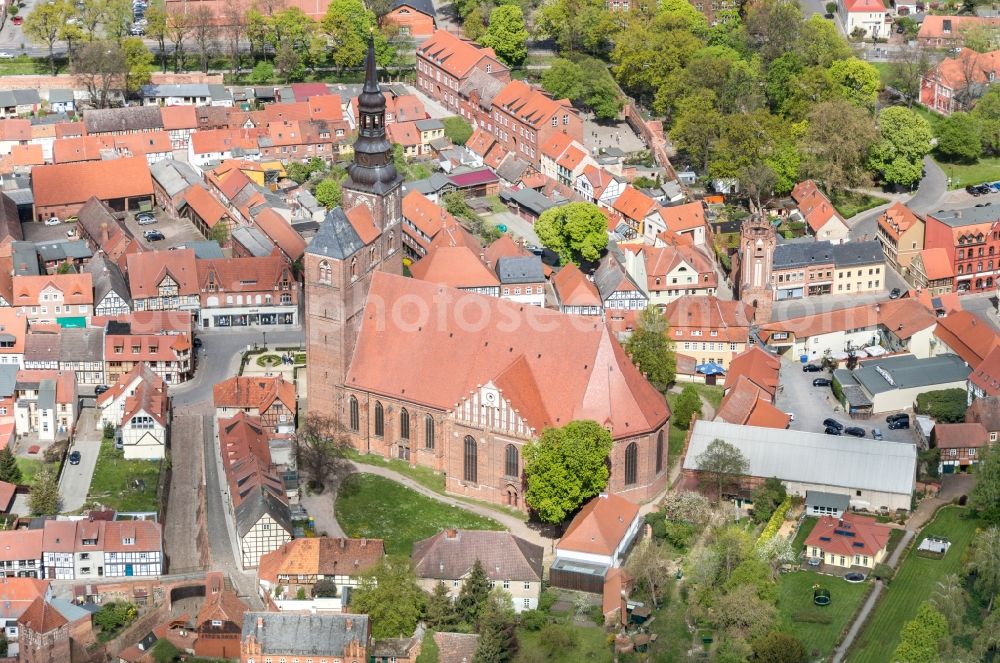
(850, 540)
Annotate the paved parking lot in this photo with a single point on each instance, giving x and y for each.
(35, 231)
(811, 405)
(175, 231)
(74, 484)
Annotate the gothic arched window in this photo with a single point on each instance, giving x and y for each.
(355, 424)
(354, 268)
(404, 424)
(511, 461)
(325, 275)
(428, 432)
(379, 419)
(631, 464)
(469, 467)
(659, 452)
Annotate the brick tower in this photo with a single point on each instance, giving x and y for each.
(352, 243)
(757, 242)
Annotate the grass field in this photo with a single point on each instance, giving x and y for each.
(805, 528)
(795, 601)
(589, 644)
(373, 507)
(913, 584)
(668, 624)
(29, 468)
(113, 476)
(986, 169)
(850, 203)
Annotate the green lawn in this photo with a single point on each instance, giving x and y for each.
(113, 477)
(884, 68)
(913, 584)
(23, 65)
(673, 637)
(799, 544)
(986, 169)
(676, 434)
(29, 468)
(800, 617)
(589, 644)
(850, 203)
(373, 507)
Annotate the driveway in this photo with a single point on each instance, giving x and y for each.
(516, 225)
(811, 405)
(74, 483)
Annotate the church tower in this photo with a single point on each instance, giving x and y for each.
(757, 242)
(352, 243)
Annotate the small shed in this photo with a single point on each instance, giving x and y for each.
(826, 504)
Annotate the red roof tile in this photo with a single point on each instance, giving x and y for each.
(866, 536)
(600, 525)
(75, 183)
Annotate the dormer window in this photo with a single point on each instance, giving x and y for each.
(489, 68)
(128, 541)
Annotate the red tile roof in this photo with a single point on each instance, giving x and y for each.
(960, 436)
(747, 404)
(867, 6)
(327, 556)
(898, 219)
(758, 366)
(933, 26)
(144, 534)
(454, 266)
(730, 319)
(254, 392)
(148, 269)
(554, 147)
(970, 338)
(404, 133)
(76, 289)
(281, 233)
(986, 375)
(41, 617)
(574, 288)
(454, 55)
(937, 265)
(867, 537)
(529, 105)
(683, 217)
(75, 183)
(389, 359)
(179, 117)
(600, 525)
(205, 205)
(634, 204)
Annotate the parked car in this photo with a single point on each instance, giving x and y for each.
(822, 382)
(137, 32)
(896, 293)
(100, 389)
(899, 416)
(71, 233)
(833, 423)
(899, 424)
(854, 431)
(52, 221)
(877, 433)
(153, 235)
(145, 218)
(830, 430)
(74, 458)
(17, 20)
(4, 55)
(196, 342)
(973, 190)
(811, 368)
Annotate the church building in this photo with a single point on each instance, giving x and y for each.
(449, 379)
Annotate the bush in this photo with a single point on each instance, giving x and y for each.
(56, 451)
(457, 130)
(596, 615)
(547, 600)
(679, 535)
(774, 524)
(883, 572)
(944, 405)
(533, 620)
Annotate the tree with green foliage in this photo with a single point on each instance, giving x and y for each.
(857, 81)
(349, 25)
(688, 405)
(474, 25)
(325, 588)
(944, 405)
(45, 24)
(138, 63)
(922, 637)
(389, 595)
(959, 139)
(576, 231)
(577, 26)
(506, 35)
(10, 471)
(721, 464)
(44, 499)
(441, 614)
(950, 600)
(742, 613)
(904, 140)
(984, 562)
(288, 63)
(115, 615)
(165, 651)
(836, 144)
(473, 596)
(651, 350)
(697, 127)
(907, 69)
(156, 28)
(647, 565)
(263, 72)
(987, 113)
(766, 498)
(328, 193)
(563, 79)
(497, 639)
(600, 92)
(778, 647)
(565, 467)
(985, 496)
(457, 129)
(820, 43)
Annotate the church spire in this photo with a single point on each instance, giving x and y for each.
(373, 167)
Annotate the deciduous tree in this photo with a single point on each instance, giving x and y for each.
(99, 68)
(234, 29)
(389, 595)
(722, 464)
(688, 404)
(985, 496)
(778, 647)
(837, 143)
(506, 35)
(856, 80)
(44, 499)
(320, 445)
(138, 64)
(457, 130)
(904, 139)
(985, 562)
(907, 69)
(45, 24)
(328, 193)
(580, 26)
(117, 19)
(348, 24)
(178, 28)
(156, 28)
(205, 33)
(563, 79)
(766, 498)
(648, 564)
(565, 467)
(742, 613)
(577, 232)
(958, 138)
(651, 351)
(922, 637)
(950, 600)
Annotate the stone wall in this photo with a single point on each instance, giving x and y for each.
(651, 132)
(67, 81)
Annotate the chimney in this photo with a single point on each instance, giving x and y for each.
(348, 624)
(105, 236)
(451, 533)
(260, 623)
(343, 544)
